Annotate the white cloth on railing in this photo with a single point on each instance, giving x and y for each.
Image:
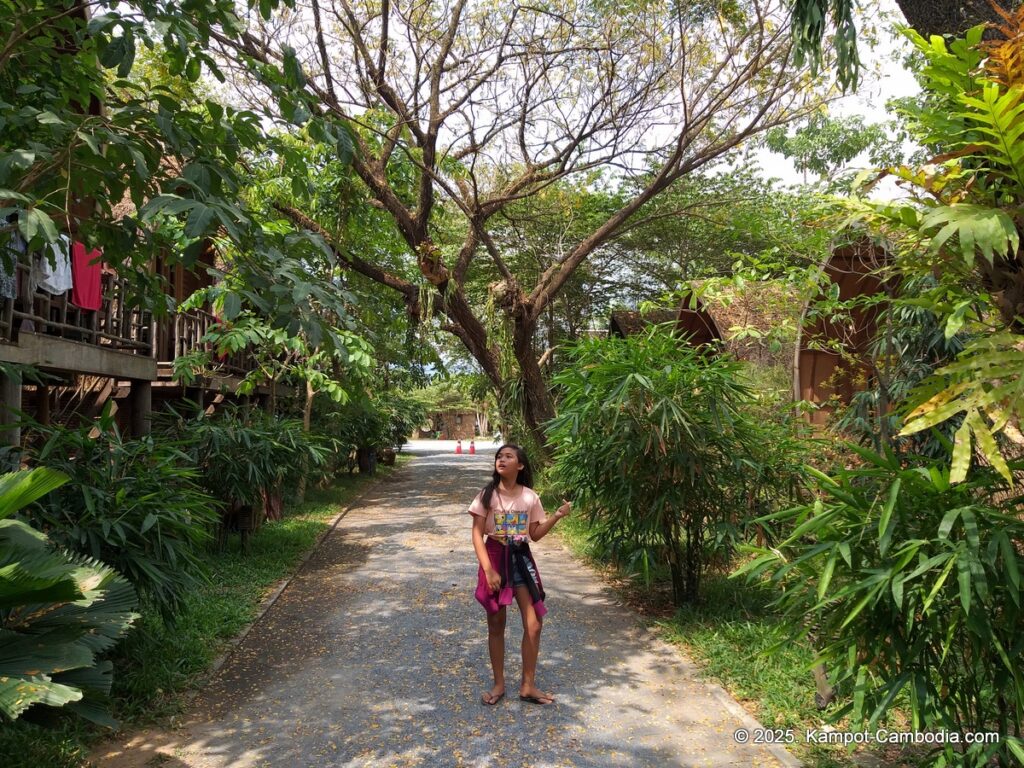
(54, 278)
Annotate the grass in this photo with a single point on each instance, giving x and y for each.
(729, 634)
(157, 666)
(739, 641)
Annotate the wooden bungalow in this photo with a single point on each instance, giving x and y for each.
(832, 360)
(119, 351)
(701, 321)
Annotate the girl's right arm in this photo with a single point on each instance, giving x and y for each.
(492, 576)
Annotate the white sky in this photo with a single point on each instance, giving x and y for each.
(883, 78)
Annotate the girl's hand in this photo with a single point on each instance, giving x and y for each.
(564, 510)
(493, 579)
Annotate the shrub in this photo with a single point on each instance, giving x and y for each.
(133, 504)
(913, 589)
(57, 612)
(652, 441)
(369, 424)
(242, 456)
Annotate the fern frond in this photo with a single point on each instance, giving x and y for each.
(1005, 62)
(999, 117)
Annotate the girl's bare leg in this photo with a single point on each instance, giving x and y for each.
(531, 647)
(496, 647)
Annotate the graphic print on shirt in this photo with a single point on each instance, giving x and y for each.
(511, 523)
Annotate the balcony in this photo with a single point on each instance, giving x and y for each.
(183, 332)
(119, 340)
(50, 332)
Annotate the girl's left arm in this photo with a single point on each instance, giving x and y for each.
(538, 530)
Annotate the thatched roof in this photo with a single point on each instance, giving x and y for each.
(755, 318)
(750, 320)
(630, 322)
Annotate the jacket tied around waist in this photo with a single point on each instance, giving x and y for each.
(508, 559)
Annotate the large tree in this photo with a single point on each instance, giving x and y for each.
(493, 103)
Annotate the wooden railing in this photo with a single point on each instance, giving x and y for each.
(117, 324)
(183, 332)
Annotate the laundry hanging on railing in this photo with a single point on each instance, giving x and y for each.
(86, 271)
(12, 252)
(55, 277)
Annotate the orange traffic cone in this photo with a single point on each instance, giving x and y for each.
(472, 447)
(458, 446)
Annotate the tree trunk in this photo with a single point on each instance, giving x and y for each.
(675, 558)
(536, 399)
(307, 424)
(950, 17)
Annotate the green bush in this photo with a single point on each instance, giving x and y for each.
(653, 442)
(57, 613)
(369, 423)
(242, 455)
(912, 587)
(133, 504)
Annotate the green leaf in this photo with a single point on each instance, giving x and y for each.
(48, 118)
(114, 52)
(975, 227)
(964, 579)
(18, 694)
(19, 489)
(193, 70)
(938, 584)
(987, 444)
(232, 305)
(961, 453)
(199, 220)
(886, 525)
(826, 574)
(948, 521)
(1016, 746)
(1009, 554)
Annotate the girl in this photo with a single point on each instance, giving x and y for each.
(509, 514)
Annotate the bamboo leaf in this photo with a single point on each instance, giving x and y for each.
(961, 453)
(826, 574)
(987, 444)
(885, 522)
(938, 584)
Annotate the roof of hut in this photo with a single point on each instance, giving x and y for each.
(748, 318)
(753, 318)
(630, 322)
(833, 363)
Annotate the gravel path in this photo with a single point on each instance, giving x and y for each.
(375, 655)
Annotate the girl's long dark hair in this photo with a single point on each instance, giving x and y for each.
(525, 476)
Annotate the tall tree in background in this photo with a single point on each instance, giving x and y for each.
(493, 103)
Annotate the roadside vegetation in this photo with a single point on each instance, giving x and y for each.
(450, 250)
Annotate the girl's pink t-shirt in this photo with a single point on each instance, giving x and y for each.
(509, 517)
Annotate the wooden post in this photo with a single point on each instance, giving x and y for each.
(140, 399)
(10, 408)
(43, 393)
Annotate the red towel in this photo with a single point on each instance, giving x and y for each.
(85, 277)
